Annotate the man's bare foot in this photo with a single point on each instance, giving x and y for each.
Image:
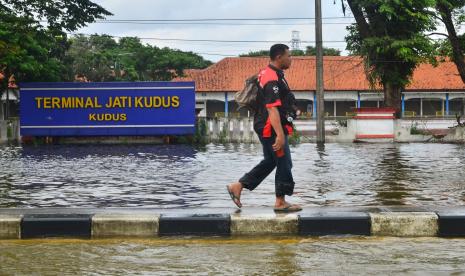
(235, 190)
(287, 207)
(282, 205)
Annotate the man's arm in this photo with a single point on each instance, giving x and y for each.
(275, 120)
(272, 101)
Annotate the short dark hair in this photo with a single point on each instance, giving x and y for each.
(278, 50)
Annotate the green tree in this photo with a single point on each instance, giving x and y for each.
(101, 58)
(92, 56)
(390, 35)
(452, 14)
(60, 15)
(26, 50)
(309, 51)
(168, 63)
(260, 53)
(33, 39)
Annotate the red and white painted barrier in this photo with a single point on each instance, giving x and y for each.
(374, 123)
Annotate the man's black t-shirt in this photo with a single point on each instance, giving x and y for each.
(273, 93)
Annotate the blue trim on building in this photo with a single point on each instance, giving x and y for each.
(226, 105)
(315, 114)
(403, 105)
(447, 104)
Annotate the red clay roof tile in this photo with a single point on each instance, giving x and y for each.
(340, 74)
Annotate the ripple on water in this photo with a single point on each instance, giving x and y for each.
(241, 256)
(173, 176)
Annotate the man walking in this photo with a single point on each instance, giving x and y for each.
(273, 125)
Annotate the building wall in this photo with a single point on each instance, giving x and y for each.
(413, 107)
(339, 108)
(13, 109)
(457, 106)
(218, 108)
(214, 107)
(344, 107)
(305, 106)
(344, 102)
(370, 104)
(431, 107)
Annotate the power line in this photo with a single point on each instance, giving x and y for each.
(350, 59)
(224, 19)
(234, 42)
(220, 24)
(215, 54)
(326, 58)
(221, 41)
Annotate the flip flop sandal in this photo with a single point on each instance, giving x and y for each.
(288, 209)
(234, 198)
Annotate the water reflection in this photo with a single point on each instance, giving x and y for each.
(170, 152)
(394, 175)
(97, 176)
(178, 176)
(321, 162)
(263, 256)
(284, 260)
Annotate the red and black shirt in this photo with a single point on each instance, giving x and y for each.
(274, 89)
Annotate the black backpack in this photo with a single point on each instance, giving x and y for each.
(247, 97)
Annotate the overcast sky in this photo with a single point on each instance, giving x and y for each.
(199, 9)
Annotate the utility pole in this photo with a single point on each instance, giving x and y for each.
(320, 126)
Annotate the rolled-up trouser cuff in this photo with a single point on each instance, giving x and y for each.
(248, 182)
(284, 188)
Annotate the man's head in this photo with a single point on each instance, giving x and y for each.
(280, 56)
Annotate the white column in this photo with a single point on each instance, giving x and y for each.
(421, 107)
(335, 113)
(442, 108)
(205, 108)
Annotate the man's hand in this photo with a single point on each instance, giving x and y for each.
(278, 128)
(279, 143)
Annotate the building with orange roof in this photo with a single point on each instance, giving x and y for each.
(9, 99)
(433, 91)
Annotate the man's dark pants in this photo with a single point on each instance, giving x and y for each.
(284, 183)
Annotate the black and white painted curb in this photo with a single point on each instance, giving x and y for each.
(120, 222)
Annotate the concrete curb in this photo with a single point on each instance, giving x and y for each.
(264, 224)
(404, 224)
(56, 225)
(334, 223)
(10, 226)
(316, 221)
(451, 224)
(198, 225)
(124, 225)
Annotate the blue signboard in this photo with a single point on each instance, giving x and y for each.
(107, 109)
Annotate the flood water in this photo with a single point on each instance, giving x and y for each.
(182, 176)
(264, 256)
